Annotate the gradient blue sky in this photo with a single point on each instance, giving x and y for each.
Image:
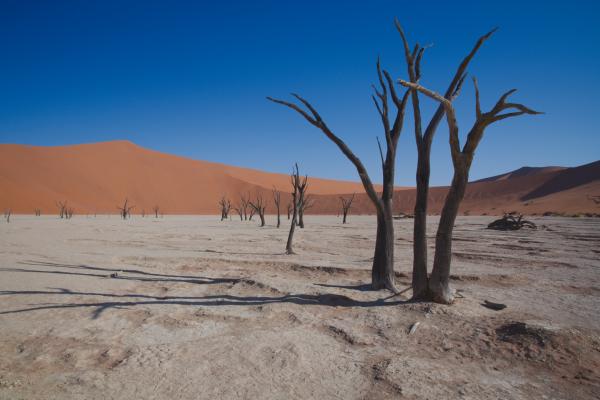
(191, 78)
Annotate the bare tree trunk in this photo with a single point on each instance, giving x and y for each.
(240, 212)
(383, 264)
(288, 246)
(278, 217)
(439, 282)
(62, 207)
(346, 204)
(258, 206)
(277, 200)
(382, 273)
(244, 206)
(419, 278)
(299, 186)
(225, 206)
(462, 157)
(424, 141)
(306, 202)
(125, 211)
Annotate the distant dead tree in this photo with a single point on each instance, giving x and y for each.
(225, 205)
(382, 272)
(240, 211)
(69, 213)
(156, 210)
(62, 208)
(346, 204)
(595, 199)
(259, 206)
(306, 202)
(424, 140)
(510, 222)
(298, 186)
(251, 212)
(125, 210)
(143, 213)
(38, 212)
(438, 284)
(243, 206)
(289, 210)
(277, 201)
(7, 214)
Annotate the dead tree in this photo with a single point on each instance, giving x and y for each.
(289, 210)
(298, 185)
(69, 213)
(382, 272)
(595, 199)
(306, 202)
(62, 208)
(7, 214)
(243, 206)
(438, 284)
(510, 222)
(225, 205)
(143, 213)
(259, 206)
(125, 211)
(240, 211)
(346, 204)
(424, 141)
(156, 210)
(38, 212)
(277, 201)
(251, 212)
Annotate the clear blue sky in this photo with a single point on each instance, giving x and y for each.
(191, 79)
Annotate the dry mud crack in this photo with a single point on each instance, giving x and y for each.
(213, 310)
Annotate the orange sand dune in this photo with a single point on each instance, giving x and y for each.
(98, 177)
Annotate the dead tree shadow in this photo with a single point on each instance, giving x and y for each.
(239, 253)
(360, 287)
(109, 272)
(331, 300)
(129, 300)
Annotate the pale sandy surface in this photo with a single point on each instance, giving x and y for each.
(204, 309)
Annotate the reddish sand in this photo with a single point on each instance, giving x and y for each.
(98, 177)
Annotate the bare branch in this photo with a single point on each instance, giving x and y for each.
(502, 101)
(380, 152)
(318, 122)
(477, 102)
(407, 53)
(462, 68)
(458, 87)
(429, 93)
(450, 117)
(295, 108)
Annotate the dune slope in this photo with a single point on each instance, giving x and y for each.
(96, 178)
